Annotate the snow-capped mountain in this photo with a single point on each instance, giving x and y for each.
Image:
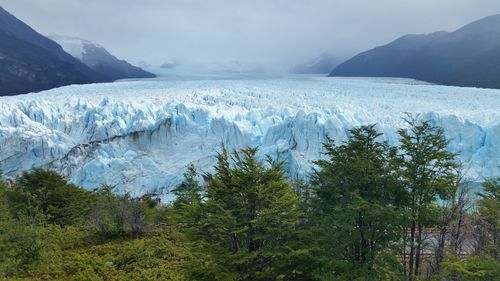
(99, 59)
(139, 136)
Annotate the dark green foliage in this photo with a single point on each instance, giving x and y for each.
(428, 169)
(39, 202)
(248, 227)
(21, 240)
(4, 208)
(355, 212)
(45, 193)
(373, 202)
(189, 191)
(188, 196)
(6, 224)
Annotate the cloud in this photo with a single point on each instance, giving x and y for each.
(258, 31)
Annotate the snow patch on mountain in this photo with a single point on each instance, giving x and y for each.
(76, 47)
(139, 136)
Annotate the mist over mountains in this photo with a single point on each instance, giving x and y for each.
(324, 63)
(469, 56)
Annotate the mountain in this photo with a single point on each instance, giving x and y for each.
(140, 135)
(100, 60)
(321, 64)
(30, 62)
(469, 56)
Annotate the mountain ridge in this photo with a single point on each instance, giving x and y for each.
(20, 30)
(31, 62)
(468, 56)
(318, 65)
(99, 59)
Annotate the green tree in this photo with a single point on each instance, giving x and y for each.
(189, 192)
(248, 227)
(429, 173)
(114, 215)
(4, 210)
(354, 211)
(472, 268)
(5, 226)
(21, 240)
(42, 192)
(488, 219)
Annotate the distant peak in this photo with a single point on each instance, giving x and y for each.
(487, 20)
(492, 17)
(5, 11)
(73, 39)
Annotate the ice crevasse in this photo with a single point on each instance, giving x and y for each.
(139, 136)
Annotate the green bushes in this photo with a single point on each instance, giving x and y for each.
(114, 216)
(52, 230)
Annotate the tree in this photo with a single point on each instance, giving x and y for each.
(428, 172)
(39, 203)
(42, 192)
(473, 268)
(355, 208)
(114, 215)
(248, 227)
(4, 210)
(453, 224)
(189, 192)
(488, 216)
(484, 263)
(21, 242)
(5, 228)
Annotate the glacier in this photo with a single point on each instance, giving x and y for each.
(139, 136)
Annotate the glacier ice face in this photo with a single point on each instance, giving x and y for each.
(139, 136)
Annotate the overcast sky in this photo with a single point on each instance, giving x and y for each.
(259, 31)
